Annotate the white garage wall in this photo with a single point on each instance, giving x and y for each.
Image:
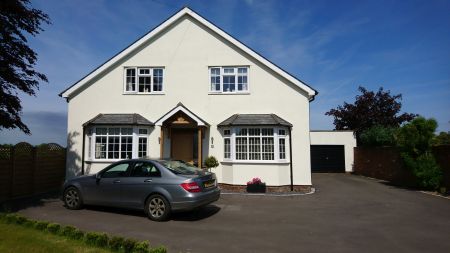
(330, 137)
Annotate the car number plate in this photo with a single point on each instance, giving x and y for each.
(209, 183)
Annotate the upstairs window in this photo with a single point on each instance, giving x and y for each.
(144, 80)
(229, 79)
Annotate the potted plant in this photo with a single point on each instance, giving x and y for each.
(211, 162)
(256, 186)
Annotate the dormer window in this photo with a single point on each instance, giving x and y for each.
(144, 80)
(229, 79)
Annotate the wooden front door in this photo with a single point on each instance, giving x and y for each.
(182, 145)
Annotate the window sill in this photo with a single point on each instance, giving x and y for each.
(228, 93)
(144, 93)
(255, 162)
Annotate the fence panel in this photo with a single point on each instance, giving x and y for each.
(27, 170)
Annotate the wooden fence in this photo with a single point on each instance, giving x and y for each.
(385, 163)
(26, 170)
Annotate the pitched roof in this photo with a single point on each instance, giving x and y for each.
(186, 11)
(180, 107)
(254, 120)
(119, 119)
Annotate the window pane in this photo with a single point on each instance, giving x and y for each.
(229, 83)
(100, 147)
(267, 148)
(100, 131)
(113, 147)
(254, 131)
(228, 70)
(130, 84)
(242, 83)
(143, 131)
(142, 151)
(144, 71)
(126, 147)
(226, 132)
(215, 71)
(144, 83)
(241, 148)
(126, 131)
(281, 132)
(242, 70)
(267, 131)
(282, 148)
(254, 148)
(157, 79)
(114, 131)
(242, 132)
(227, 148)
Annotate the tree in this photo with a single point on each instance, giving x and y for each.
(378, 136)
(442, 139)
(17, 60)
(368, 110)
(414, 140)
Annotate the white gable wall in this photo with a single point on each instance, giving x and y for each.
(186, 51)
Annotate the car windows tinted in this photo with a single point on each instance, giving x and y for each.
(119, 170)
(145, 169)
(180, 167)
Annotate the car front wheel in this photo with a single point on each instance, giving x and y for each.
(72, 198)
(157, 208)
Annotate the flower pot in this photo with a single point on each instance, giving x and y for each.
(256, 188)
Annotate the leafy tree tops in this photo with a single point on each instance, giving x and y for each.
(17, 60)
(370, 109)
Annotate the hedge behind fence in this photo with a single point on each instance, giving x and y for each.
(26, 170)
(385, 163)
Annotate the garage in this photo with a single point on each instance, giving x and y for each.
(327, 158)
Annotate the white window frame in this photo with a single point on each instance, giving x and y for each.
(135, 142)
(236, 76)
(136, 91)
(276, 151)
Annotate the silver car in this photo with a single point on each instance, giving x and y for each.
(159, 187)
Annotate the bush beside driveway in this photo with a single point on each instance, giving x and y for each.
(346, 214)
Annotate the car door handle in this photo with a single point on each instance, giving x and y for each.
(147, 180)
(116, 181)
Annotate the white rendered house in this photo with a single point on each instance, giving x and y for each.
(187, 90)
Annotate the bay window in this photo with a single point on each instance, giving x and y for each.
(117, 142)
(255, 144)
(228, 79)
(144, 80)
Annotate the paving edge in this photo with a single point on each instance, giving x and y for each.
(313, 190)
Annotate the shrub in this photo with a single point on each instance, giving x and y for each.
(141, 247)
(378, 136)
(41, 225)
(128, 245)
(426, 169)
(72, 233)
(211, 162)
(116, 243)
(53, 228)
(10, 218)
(30, 223)
(96, 239)
(159, 249)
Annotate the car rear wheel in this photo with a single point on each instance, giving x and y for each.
(72, 198)
(157, 208)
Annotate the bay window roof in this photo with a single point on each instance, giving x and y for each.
(119, 119)
(254, 120)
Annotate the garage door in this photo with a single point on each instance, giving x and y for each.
(327, 158)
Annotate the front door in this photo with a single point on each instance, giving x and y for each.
(182, 145)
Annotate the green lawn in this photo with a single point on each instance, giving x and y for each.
(15, 238)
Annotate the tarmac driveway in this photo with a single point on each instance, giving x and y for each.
(346, 214)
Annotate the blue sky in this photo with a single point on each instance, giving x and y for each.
(334, 46)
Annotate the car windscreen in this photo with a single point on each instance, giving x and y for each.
(180, 167)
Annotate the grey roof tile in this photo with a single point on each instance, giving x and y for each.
(254, 120)
(119, 119)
